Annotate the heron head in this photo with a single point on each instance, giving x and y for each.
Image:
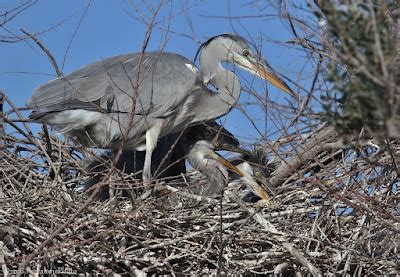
(236, 50)
(218, 137)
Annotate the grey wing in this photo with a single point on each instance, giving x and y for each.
(161, 83)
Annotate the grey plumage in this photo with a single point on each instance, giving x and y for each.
(202, 157)
(94, 104)
(138, 98)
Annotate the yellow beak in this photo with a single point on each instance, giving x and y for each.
(263, 72)
(271, 77)
(261, 192)
(257, 188)
(227, 164)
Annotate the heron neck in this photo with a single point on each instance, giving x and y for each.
(219, 102)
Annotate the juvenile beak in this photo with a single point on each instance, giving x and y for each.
(261, 192)
(257, 187)
(227, 164)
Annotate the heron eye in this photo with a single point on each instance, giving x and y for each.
(246, 52)
(258, 174)
(217, 144)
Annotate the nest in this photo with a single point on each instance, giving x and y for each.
(335, 211)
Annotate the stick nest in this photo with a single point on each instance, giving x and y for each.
(338, 210)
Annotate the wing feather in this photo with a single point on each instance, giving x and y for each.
(109, 85)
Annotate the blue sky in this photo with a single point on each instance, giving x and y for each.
(113, 27)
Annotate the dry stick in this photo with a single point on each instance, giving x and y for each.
(395, 226)
(59, 74)
(221, 239)
(12, 13)
(26, 261)
(135, 86)
(305, 103)
(211, 229)
(3, 264)
(45, 50)
(311, 149)
(94, 193)
(37, 143)
(2, 133)
(377, 38)
(277, 236)
(75, 32)
(191, 195)
(353, 244)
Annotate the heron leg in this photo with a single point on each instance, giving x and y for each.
(151, 142)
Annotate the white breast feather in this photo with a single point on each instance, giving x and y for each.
(192, 68)
(74, 119)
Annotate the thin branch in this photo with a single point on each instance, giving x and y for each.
(45, 50)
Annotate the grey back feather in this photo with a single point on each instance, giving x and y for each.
(109, 85)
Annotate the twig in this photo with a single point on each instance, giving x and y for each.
(310, 149)
(2, 261)
(45, 50)
(2, 133)
(280, 237)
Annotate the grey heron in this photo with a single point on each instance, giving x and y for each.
(132, 100)
(200, 145)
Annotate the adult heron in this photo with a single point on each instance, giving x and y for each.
(131, 100)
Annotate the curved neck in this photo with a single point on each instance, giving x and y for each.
(215, 104)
